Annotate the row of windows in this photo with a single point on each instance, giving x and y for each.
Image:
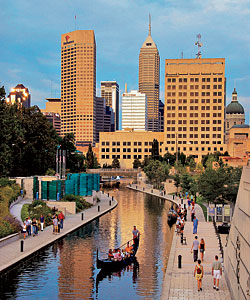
(185, 115)
(192, 87)
(204, 79)
(196, 94)
(193, 101)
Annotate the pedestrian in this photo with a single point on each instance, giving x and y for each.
(195, 225)
(34, 227)
(28, 226)
(216, 272)
(198, 274)
(61, 218)
(42, 222)
(189, 203)
(202, 249)
(195, 248)
(55, 225)
(178, 225)
(182, 224)
(192, 213)
(24, 230)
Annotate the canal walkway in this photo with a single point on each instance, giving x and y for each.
(180, 283)
(10, 254)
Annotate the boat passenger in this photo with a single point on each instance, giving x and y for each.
(110, 255)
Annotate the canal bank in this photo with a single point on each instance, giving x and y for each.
(11, 255)
(179, 283)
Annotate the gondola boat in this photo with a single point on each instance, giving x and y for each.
(111, 265)
(172, 217)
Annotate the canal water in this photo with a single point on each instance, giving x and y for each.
(67, 269)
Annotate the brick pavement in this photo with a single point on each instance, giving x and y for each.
(10, 254)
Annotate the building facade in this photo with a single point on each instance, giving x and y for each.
(195, 106)
(78, 85)
(19, 95)
(134, 111)
(55, 120)
(235, 114)
(127, 145)
(104, 117)
(238, 143)
(53, 105)
(110, 91)
(149, 79)
(161, 116)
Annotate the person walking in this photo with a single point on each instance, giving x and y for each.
(198, 274)
(28, 226)
(195, 225)
(55, 225)
(195, 248)
(192, 213)
(216, 272)
(61, 218)
(202, 249)
(42, 222)
(34, 227)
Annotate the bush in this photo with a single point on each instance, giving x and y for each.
(81, 204)
(5, 229)
(25, 211)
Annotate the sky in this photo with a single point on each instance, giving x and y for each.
(30, 32)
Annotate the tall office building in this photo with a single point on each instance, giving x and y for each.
(161, 116)
(19, 95)
(134, 111)
(195, 106)
(78, 85)
(110, 91)
(149, 79)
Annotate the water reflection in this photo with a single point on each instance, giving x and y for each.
(67, 269)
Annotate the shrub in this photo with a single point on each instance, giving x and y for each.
(81, 204)
(5, 228)
(25, 211)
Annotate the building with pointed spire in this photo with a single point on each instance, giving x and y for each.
(149, 79)
(235, 114)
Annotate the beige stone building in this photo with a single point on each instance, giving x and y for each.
(127, 145)
(78, 85)
(53, 105)
(194, 106)
(239, 141)
(149, 79)
(235, 114)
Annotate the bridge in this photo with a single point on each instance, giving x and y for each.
(115, 172)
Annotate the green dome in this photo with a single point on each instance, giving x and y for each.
(235, 108)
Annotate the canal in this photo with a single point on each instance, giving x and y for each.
(67, 269)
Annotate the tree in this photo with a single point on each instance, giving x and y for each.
(2, 93)
(90, 158)
(177, 180)
(136, 163)
(192, 164)
(187, 182)
(28, 141)
(155, 150)
(169, 158)
(181, 158)
(156, 172)
(116, 163)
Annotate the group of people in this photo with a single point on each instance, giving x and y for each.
(119, 255)
(31, 226)
(181, 218)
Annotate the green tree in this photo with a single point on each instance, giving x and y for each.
(116, 163)
(90, 158)
(192, 164)
(156, 172)
(155, 150)
(136, 163)
(177, 180)
(187, 182)
(169, 158)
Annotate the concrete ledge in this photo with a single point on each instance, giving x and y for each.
(9, 239)
(168, 274)
(51, 239)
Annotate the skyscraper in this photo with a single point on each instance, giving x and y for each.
(194, 106)
(19, 95)
(149, 79)
(110, 91)
(78, 85)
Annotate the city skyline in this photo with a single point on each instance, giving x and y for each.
(30, 52)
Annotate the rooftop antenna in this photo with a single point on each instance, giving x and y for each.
(199, 45)
(149, 25)
(75, 22)
(182, 54)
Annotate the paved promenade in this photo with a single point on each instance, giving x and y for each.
(10, 254)
(180, 283)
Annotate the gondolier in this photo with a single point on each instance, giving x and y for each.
(136, 234)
